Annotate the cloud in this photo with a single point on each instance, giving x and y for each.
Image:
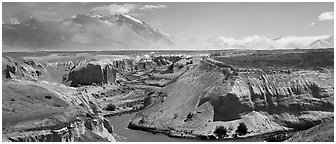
(152, 7)
(298, 42)
(312, 24)
(44, 13)
(124, 8)
(113, 9)
(29, 4)
(262, 42)
(326, 16)
(255, 41)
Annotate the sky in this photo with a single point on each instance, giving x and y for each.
(189, 21)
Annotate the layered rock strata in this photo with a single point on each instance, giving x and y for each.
(213, 94)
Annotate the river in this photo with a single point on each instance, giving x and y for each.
(125, 134)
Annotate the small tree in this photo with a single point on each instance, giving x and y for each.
(241, 129)
(220, 131)
(111, 107)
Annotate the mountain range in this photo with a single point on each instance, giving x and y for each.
(82, 31)
(23, 31)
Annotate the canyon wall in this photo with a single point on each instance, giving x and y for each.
(106, 71)
(213, 94)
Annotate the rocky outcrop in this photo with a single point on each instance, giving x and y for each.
(67, 64)
(297, 100)
(92, 73)
(105, 71)
(182, 110)
(323, 132)
(213, 94)
(29, 69)
(130, 65)
(72, 114)
(97, 129)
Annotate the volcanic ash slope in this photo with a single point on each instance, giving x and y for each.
(212, 94)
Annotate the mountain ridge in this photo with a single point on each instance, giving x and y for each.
(83, 30)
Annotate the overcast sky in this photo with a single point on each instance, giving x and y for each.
(203, 20)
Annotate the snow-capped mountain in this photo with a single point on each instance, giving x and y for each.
(323, 43)
(83, 31)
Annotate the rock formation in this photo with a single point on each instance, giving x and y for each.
(214, 94)
(27, 69)
(176, 95)
(323, 132)
(106, 71)
(92, 73)
(44, 111)
(78, 131)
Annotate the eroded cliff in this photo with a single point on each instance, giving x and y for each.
(213, 94)
(44, 111)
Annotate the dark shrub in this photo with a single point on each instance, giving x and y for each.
(142, 121)
(241, 129)
(111, 107)
(220, 131)
(48, 97)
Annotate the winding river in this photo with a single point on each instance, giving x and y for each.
(125, 134)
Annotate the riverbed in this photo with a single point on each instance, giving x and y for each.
(125, 134)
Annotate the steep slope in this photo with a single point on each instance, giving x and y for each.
(37, 110)
(323, 132)
(212, 94)
(42, 111)
(181, 109)
(82, 32)
(105, 71)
